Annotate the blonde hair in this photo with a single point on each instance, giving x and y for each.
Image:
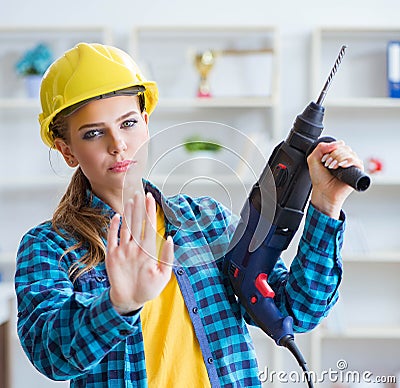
(75, 216)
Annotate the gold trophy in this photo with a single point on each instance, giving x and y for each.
(204, 63)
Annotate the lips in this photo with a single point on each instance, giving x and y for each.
(122, 166)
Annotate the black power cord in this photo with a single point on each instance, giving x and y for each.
(288, 342)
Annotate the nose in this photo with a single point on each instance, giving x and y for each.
(116, 145)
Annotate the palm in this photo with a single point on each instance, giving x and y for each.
(136, 274)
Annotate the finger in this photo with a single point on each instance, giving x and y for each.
(321, 150)
(339, 154)
(112, 235)
(334, 158)
(333, 164)
(167, 255)
(137, 217)
(125, 233)
(352, 161)
(342, 157)
(151, 218)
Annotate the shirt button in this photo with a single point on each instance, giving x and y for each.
(195, 310)
(180, 271)
(210, 360)
(124, 332)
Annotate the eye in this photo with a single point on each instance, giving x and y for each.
(129, 123)
(91, 134)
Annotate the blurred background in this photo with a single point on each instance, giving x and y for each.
(235, 74)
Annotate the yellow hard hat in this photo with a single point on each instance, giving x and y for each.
(85, 72)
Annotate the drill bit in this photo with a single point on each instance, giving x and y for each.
(321, 97)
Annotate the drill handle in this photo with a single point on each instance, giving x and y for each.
(353, 176)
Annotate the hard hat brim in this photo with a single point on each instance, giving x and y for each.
(149, 89)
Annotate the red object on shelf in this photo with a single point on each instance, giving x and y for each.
(201, 94)
(374, 165)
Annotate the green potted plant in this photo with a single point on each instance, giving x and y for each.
(32, 65)
(203, 153)
(197, 144)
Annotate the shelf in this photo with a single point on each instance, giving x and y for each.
(6, 294)
(392, 332)
(357, 31)
(48, 181)
(368, 102)
(16, 40)
(56, 29)
(388, 257)
(234, 179)
(213, 102)
(19, 103)
(361, 77)
(33, 182)
(197, 30)
(385, 181)
(65, 36)
(359, 111)
(244, 72)
(200, 179)
(7, 257)
(217, 102)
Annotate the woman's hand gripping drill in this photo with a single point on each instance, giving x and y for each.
(328, 193)
(135, 272)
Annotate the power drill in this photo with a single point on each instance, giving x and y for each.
(271, 216)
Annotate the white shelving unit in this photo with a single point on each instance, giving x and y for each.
(364, 329)
(32, 177)
(29, 188)
(20, 111)
(242, 112)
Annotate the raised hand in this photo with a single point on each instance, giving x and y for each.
(135, 272)
(328, 193)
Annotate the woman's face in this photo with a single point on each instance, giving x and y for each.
(106, 138)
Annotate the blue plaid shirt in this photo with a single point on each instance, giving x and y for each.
(70, 331)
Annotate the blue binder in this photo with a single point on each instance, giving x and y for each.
(393, 68)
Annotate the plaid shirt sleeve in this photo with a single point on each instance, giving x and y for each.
(309, 289)
(64, 333)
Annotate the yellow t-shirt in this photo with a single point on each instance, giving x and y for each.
(172, 351)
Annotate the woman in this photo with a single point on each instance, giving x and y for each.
(105, 300)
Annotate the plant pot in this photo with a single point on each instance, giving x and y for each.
(202, 162)
(32, 85)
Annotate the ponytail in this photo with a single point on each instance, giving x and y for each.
(88, 225)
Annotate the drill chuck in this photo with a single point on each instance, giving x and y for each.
(307, 127)
(304, 136)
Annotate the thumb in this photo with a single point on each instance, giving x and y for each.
(167, 255)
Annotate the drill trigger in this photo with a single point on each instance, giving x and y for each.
(262, 285)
